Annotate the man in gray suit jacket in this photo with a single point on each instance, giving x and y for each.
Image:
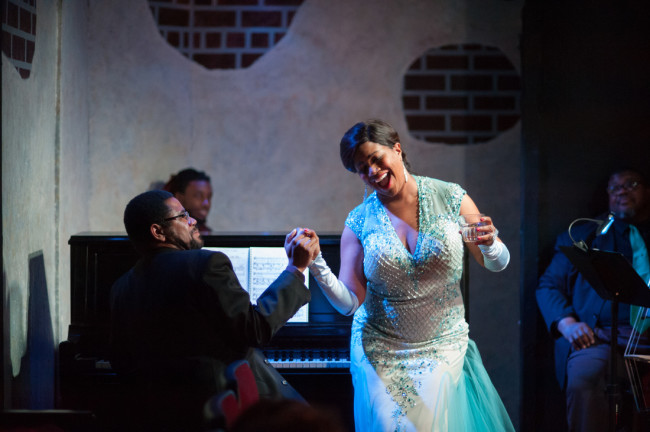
(180, 315)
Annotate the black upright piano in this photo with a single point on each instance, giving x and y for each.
(313, 355)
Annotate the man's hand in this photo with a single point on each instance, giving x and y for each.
(302, 247)
(579, 334)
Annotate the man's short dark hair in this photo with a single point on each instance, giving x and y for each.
(640, 171)
(179, 182)
(142, 211)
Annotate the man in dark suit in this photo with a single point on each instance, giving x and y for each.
(180, 315)
(578, 317)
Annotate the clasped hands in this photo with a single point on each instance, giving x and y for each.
(302, 247)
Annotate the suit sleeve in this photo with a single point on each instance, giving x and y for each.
(554, 290)
(252, 324)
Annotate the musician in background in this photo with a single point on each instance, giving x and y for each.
(179, 316)
(578, 317)
(192, 188)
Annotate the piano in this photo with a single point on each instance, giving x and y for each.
(312, 355)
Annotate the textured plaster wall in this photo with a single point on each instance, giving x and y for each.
(45, 174)
(74, 170)
(131, 110)
(28, 197)
(270, 132)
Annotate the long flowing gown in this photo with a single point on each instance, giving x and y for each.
(414, 367)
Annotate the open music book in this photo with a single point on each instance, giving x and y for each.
(257, 267)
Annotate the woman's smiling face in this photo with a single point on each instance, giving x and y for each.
(380, 167)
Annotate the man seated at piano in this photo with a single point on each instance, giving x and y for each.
(180, 316)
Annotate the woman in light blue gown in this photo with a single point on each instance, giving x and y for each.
(413, 367)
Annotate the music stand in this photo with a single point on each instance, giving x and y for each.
(614, 279)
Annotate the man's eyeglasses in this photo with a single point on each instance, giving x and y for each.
(185, 215)
(627, 186)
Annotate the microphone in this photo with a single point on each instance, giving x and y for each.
(605, 225)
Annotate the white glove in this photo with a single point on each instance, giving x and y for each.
(496, 256)
(343, 300)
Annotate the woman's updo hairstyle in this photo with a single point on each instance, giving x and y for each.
(374, 130)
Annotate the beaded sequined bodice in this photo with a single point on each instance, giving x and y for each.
(413, 298)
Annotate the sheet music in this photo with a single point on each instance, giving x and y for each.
(257, 267)
(266, 264)
(239, 259)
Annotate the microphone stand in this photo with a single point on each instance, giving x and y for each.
(613, 390)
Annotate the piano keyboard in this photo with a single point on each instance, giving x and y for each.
(308, 358)
(279, 359)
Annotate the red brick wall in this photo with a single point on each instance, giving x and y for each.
(19, 33)
(461, 94)
(223, 34)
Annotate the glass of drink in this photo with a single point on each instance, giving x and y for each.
(468, 226)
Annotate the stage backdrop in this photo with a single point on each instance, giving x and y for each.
(117, 98)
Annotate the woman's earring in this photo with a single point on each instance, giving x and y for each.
(365, 192)
(406, 174)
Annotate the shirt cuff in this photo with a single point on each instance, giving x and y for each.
(554, 331)
(298, 273)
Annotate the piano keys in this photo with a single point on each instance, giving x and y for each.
(279, 359)
(309, 359)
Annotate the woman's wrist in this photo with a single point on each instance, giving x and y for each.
(491, 251)
(495, 256)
